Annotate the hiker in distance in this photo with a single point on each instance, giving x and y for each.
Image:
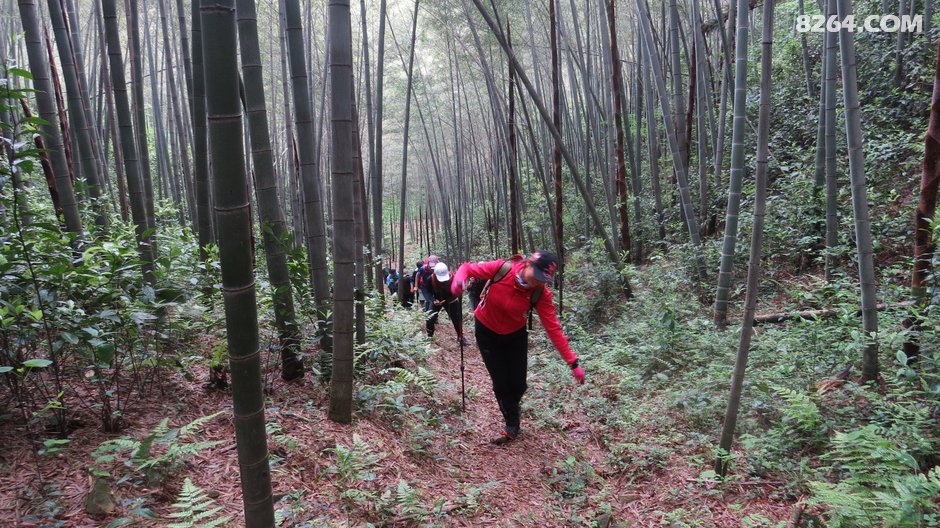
(414, 284)
(422, 284)
(514, 289)
(445, 299)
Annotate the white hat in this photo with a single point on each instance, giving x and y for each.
(440, 271)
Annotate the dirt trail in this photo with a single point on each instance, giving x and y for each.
(522, 468)
(520, 484)
(530, 489)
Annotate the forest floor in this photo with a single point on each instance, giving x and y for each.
(389, 469)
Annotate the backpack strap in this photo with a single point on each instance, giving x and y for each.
(536, 297)
(500, 274)
(502, 271)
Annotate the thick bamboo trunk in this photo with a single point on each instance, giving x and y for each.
(344, 266)
(829, 125)
(273, 229)
(313, 203)
(137, 103)
(364, 179)
(737, 168)
(219, 43)
(515, 240)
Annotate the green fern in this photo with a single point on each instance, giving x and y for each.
(144, 457)
(880, 484)
(423, 379)
(801, 411)
(355, 463)
(141, 453)
(194, 509)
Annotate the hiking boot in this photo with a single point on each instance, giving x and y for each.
(506, 436)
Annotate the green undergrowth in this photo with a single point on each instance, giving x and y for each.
(659, 373)
(396, 390)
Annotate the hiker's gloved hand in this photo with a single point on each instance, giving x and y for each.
(456, 288)
(578, 374)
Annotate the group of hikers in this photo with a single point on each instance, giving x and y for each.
(503, 294)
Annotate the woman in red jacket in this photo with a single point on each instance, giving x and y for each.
(516, 286)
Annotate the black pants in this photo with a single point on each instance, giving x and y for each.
(453, 311)
(507, 360)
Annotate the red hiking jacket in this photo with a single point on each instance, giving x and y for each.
(507, 303)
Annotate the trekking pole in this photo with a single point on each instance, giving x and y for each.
(463, 392)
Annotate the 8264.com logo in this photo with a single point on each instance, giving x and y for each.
(871, 24)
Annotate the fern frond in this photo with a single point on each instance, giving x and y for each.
(193, 507)
(142, 452)
(192, 426)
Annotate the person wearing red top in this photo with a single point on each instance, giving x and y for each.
(500, 328)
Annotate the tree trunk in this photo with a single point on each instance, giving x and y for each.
(377, 227)
(515, 240)
(46, 164)
(737, 168)
(853, 131)
(81, 127)
(84, 97)
(678, 124)
(899, 47)
(363, 266)
(140, 119)
(42, 83)
(371, 133)
(313, 204)
(111, 118)
(652, 135)
(127, 146)
(616, 90)
(200, 139)
(181, 132)
(344, 269)
(924, 243)
(753, 268)
(928, 16)
(274, 232)
(638, 96)
(725, 92)
(556, 157)
(163, 158)
(404, 154)
(235, 256)
(829, 123)
(806, 63)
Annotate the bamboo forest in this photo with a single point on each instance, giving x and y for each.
(469, 263)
